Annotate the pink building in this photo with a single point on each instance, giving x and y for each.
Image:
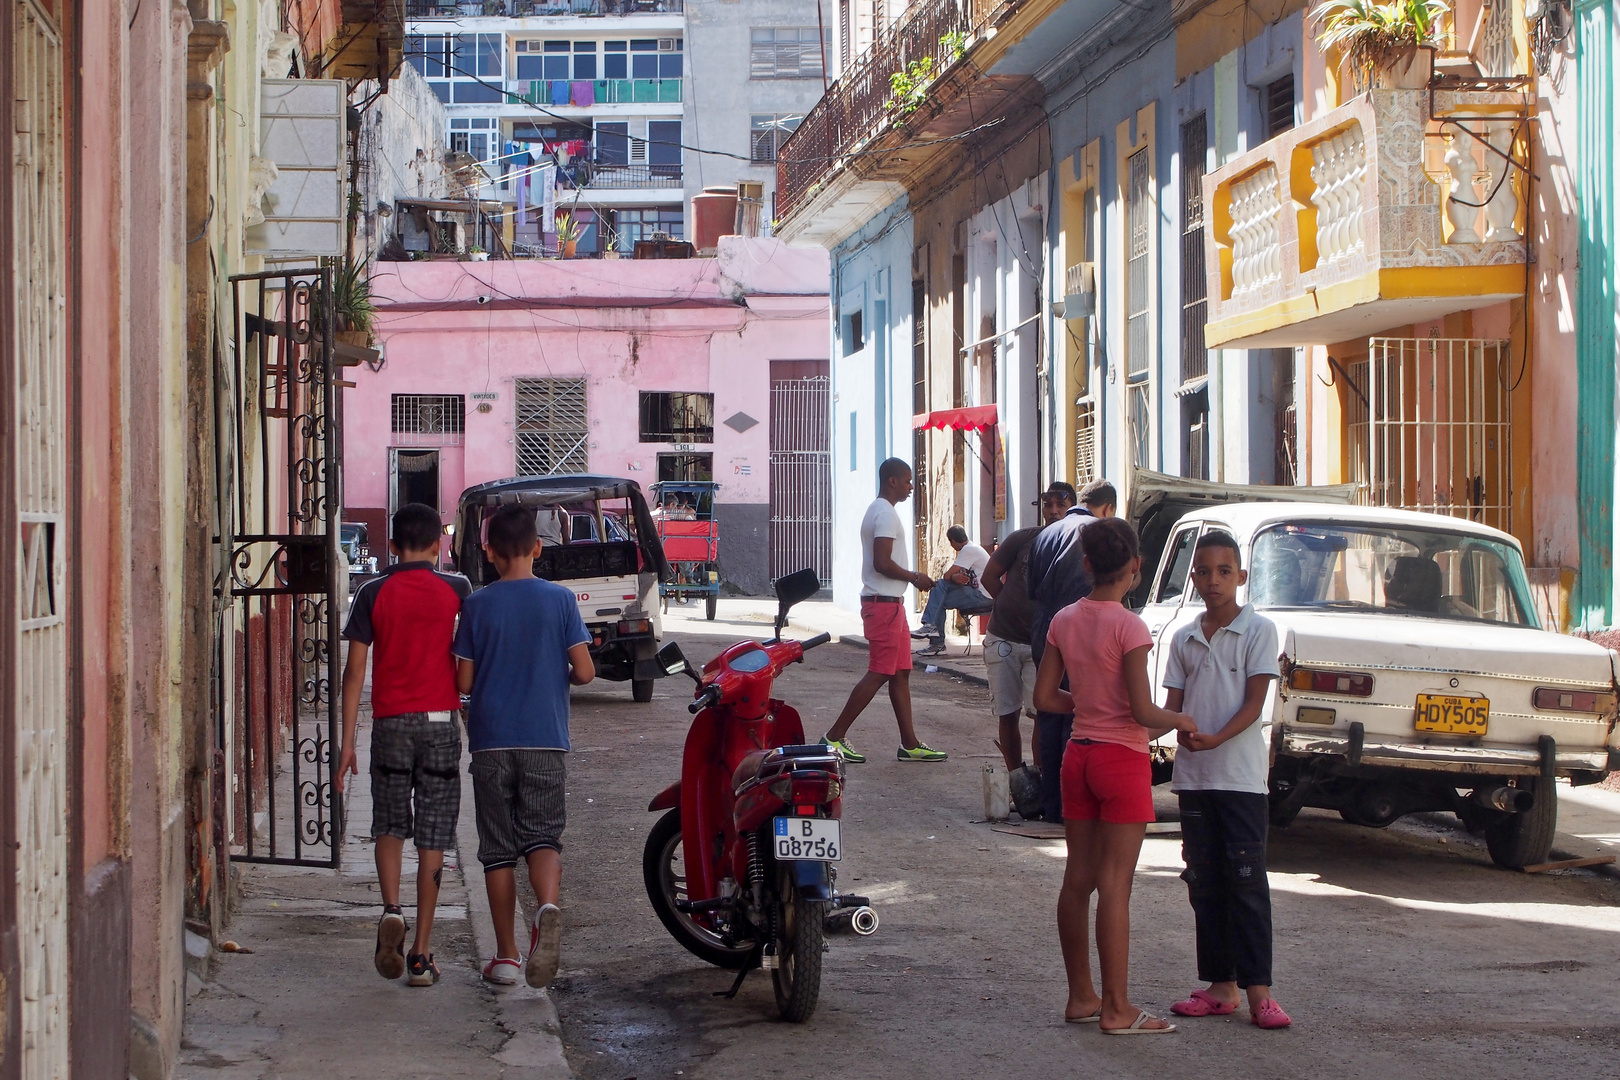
(648, 369)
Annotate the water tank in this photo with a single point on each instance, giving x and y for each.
(714, 214)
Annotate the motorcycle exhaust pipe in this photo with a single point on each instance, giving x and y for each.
(864, 921)
(1507, 799)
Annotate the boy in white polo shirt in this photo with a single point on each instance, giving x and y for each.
(1219, 670)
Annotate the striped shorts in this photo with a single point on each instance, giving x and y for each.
(416, 764)
(518, 803)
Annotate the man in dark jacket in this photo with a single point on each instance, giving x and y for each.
(1057, 578)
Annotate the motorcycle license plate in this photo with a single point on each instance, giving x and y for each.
(815, 839)
(1452, 714)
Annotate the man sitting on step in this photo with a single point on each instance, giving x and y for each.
(959, 590)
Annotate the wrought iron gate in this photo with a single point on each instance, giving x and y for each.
(276, 696)
(801, 476)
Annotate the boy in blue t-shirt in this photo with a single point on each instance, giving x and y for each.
(520, 644)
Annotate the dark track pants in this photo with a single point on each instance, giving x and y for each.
(1223, 840)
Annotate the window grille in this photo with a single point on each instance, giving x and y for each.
(1085, 441)
(1279, 105)
(552, 430)
(1435, 431)
(429, 419)
(677, 417)
(785, 52)
(1194, 288)
(1139, 211)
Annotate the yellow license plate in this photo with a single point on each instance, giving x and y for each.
(1452, 714)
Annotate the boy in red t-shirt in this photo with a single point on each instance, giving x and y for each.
(406, 616)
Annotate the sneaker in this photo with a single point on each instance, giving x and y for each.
(545, 942)
(925, 631)
(919, 753)
(424, 972)
(502, 972)
(935, 649)
(845, 751)
(390, 957)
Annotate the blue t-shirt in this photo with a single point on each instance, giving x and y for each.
(517, 634)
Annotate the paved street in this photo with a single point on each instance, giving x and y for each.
(1393, 948)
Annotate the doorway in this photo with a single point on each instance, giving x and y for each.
(413, 476)
(685, 467)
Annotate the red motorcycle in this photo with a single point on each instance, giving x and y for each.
(739, 869)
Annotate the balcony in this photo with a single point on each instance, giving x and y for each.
(473, 9)
(591, 176)
(557, 93)
(1400, 206)
(858, 112)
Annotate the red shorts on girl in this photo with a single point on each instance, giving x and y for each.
(1106, 782)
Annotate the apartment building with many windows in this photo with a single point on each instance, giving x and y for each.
(569, 109)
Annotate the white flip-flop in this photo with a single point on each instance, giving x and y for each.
(1136, 1028)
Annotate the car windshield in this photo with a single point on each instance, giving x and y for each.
(1432, 573)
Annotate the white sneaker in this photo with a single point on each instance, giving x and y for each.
(502, 972)
(545, 945)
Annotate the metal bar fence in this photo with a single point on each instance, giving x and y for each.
(801, 476)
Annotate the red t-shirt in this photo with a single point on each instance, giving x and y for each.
(1094, 636)
(407, 615)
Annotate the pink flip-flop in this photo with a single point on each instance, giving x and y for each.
(1203, 1003)
(1269, 1015)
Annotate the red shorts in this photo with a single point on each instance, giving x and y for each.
(1106, 782)
(888, 637)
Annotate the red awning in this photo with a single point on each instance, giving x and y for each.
(977, 418)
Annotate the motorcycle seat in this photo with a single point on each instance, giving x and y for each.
(749, 769)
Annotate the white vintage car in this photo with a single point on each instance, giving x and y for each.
(1415, 674)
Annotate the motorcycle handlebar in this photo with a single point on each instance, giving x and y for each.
(811, 643)
(706, 697)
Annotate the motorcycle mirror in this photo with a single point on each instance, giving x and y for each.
(672, 661)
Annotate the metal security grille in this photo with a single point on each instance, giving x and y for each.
(38, 424)
(429, 419)
(1085, 441)
(276, 632)
(552, 429)
(801, 476)
(1437, 427)
(1194, 287)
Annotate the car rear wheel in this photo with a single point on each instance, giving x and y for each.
(1524, 839)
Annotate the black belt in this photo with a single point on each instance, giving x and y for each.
(883, 599)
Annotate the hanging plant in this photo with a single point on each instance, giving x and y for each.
(351, 296)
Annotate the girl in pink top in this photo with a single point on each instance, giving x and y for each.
(1107, 780)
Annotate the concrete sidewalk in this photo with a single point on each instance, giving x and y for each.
(306, 1001)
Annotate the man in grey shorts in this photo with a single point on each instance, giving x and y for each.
(520, 645)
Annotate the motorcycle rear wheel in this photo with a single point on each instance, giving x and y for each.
(664, 870)
(800, 933)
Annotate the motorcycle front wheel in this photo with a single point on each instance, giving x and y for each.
(664, 870)
(799, 939)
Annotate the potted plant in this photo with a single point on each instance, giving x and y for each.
(351, 297)
(1383, 43)
(568, 234)
(477, 254)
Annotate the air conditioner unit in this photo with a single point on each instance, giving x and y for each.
(666, 44)
(1080, 291)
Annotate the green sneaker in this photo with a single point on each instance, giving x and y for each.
(845, 751)
(920, 753)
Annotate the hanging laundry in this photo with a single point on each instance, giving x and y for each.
(584, 94)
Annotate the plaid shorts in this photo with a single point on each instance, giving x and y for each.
(518, 797)
(412, 756)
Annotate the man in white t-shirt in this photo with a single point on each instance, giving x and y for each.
(959, 590)
(884, 579)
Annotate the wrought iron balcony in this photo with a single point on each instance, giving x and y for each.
(592, 176)
(858, 106)
(1398, 207)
